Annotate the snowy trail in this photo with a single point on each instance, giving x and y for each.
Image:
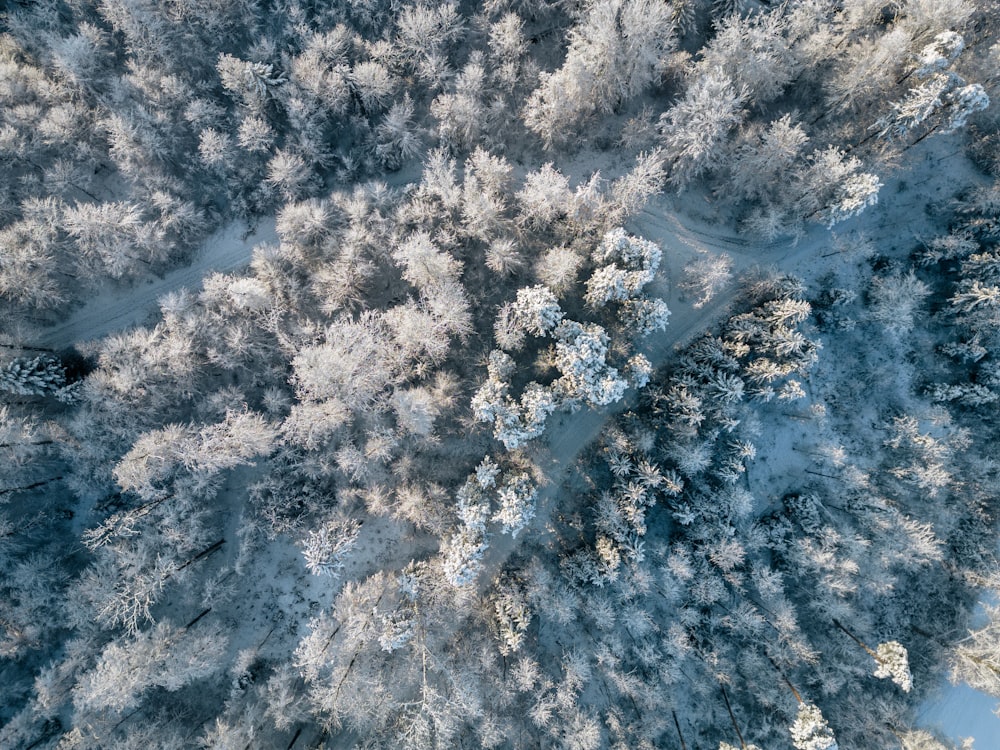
(113, 310)
(228, 249)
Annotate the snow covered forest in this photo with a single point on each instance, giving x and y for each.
(569, 374)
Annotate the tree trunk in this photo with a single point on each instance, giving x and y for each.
(204, 553)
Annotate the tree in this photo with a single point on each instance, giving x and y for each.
(940, 53)
(694, 130)
(460, 114)
(354, 365)
(581, 358)
(165, 656)
(895, 299)
(514, 422)
(32, 259)
(754, 53)
(891, 660)
(396, 138)
(288, 172)
(544, 197)
(110, 234)
(557, 269)
(35, 376)
(424, 264)
(462, 556)
(631, 192)
(535, 311)
(517, 503)
(624, 265)
(810, 730)
(156, 457)
(325, 548)
(373, 84)
(614, 54)
(249, 82)
(975, 660)
(833, 187)
(766, 155)
(511, 615)
(706, 276)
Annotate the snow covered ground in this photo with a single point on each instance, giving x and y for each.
(958, 711)
(116, 309)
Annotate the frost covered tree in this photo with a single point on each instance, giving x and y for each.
(615, 52)
(765, 156)
(891, 660)
(354, 365)
(397, 139)
(113, 237)
(624, 265)
(754, 53)
(944, 100)
(544, 197)
(976, 659)
(250, 82)
(289, 173)
(424, 33)
(325, 549)
(462, 556)
(158, 456)
(511, 615)
(557, 269)
(695, 130)
(517, 498)
(35, 376)
(585, 375)
(896, 299)
(810, 731)
(460, 114)
(893, 663)
(165, 656)
(943, 50)
(535, 311)
(515, 422)
(706, 276)
(834, 188)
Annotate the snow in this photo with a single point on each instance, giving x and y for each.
(115, 308)
(958, 711)
(686, 233)
(689, 232)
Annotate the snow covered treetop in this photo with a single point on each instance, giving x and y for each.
(893, 662)
(625, 264)
(810, 730)
(940, 53)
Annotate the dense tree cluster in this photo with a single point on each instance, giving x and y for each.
(431, 469)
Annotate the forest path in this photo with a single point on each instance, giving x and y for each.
(116, 309)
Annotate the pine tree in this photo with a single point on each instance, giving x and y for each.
(695, 129)
(35, 376)
(517, 499)
(325, 548)
(810, 730)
